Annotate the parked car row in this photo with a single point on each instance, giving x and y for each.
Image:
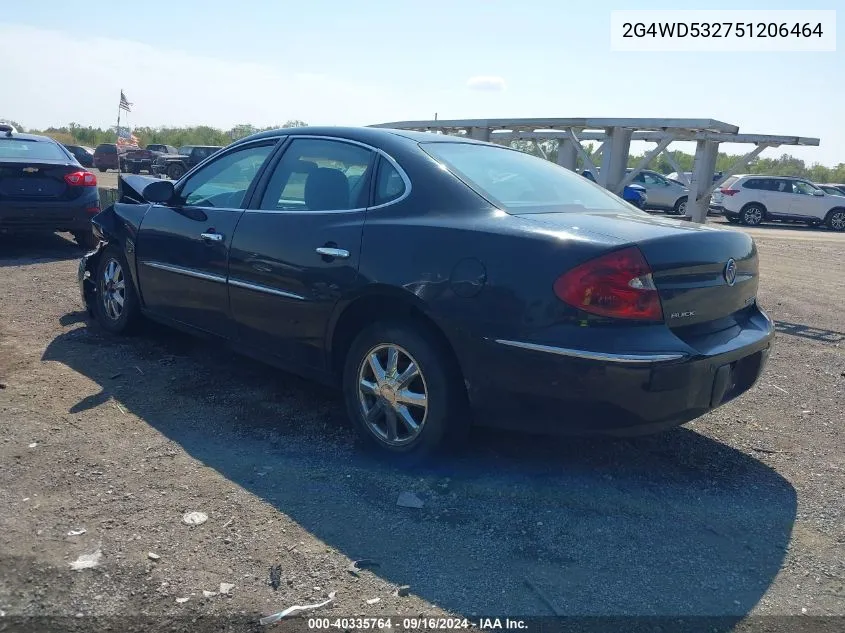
(752, 199)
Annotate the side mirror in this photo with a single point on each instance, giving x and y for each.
(159, 192)
(816, 192)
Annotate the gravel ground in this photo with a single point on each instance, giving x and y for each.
(739, 513)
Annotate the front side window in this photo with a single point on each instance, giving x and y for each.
(223, 183)
(319, 175)
(804, 188)
(520, 183)
(651, 179)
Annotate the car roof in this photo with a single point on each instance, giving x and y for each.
(370, 135)
(21, 136)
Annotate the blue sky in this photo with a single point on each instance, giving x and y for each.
(222, 63)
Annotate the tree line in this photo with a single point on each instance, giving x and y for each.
(785, 165)
(89, 136)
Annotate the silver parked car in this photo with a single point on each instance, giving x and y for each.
(665, 194)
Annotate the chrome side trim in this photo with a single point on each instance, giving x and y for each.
(266, 289)
(600, 356)
(189, 272)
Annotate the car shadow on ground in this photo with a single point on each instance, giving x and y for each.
(672, 525)
(20, 249)
(810, 332)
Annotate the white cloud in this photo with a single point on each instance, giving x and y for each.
(487, 83)
(167, 87)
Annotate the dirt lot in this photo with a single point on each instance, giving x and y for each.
(739, 513)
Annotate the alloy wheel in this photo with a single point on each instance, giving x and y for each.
(753, 215)
(113, 289)
(393, 394)
(837, 221)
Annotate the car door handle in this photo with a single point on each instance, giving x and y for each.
(328, 251)
(212, 237)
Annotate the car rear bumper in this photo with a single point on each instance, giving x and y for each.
(48, 216)
(553, 389)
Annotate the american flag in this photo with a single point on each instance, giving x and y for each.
(125, 138)
(124, 102)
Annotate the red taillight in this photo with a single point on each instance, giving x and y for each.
(728, 192)
(92, 210)
(618, 285)
(81, 179)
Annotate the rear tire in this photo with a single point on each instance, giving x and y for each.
(102, 169)
(835, 220)
(402, 412)
(680, 207)
(114, 284)
(752, 214)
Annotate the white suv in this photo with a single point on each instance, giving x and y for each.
(754, 199)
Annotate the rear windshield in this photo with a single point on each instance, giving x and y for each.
(107, 149)
(25, 150)
(519, 182)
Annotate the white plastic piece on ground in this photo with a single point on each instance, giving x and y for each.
(194, 518)
(182, 600)
(87, 561)
(270, 619)
(226, 587)
(373, 600)
(78, 532)
(409, 500)
(208, 594)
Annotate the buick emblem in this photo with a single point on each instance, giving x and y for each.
(730, 272)
(30, 170)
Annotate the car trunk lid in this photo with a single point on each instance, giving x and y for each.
(702, 274)
(43, 180)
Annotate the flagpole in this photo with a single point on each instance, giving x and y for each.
(117, 140)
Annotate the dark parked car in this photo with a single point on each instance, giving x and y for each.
(635, 194)
(138, 160)
(44, 188)
(431, 277)
(174, 166)
(85, 155)
(109, 156)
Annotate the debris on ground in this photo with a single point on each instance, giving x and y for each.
(33, 445)
(208, 594)
(182, 600)
(409, 500)
(87, 561)
(357, 565)
(403, 591)
(194, 518)
(153, 556)
(270, 619)
(226, 588)
(373, 600)
(78, 532)
(545, 598)
(275, 576)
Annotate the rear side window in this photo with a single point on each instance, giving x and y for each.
(521, 183)
(389, 184)
(754, 183)
(26, 150)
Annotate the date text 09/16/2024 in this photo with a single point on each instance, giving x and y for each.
(416, 624)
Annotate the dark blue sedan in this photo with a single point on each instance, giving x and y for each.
(44, 188)
(439, 282)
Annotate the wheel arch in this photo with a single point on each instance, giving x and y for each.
(759, 204)
(380, 302)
